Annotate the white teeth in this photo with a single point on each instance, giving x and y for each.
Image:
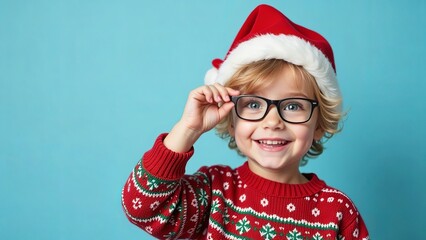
(272, 142)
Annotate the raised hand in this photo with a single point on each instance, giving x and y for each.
(205, 108)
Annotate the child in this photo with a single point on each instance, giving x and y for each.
(275, 96)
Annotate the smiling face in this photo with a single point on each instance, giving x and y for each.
(273, 147)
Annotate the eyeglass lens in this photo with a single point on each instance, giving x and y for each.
(294, 110)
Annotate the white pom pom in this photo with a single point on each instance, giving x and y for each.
(211, 76)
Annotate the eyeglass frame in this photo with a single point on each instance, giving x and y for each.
(276, 103)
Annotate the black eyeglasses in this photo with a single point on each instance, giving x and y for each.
(291, 110)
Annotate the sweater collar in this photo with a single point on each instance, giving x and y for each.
(273, 188)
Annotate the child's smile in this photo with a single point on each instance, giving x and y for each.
(272, 145)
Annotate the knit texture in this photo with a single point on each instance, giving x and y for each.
(219, 202)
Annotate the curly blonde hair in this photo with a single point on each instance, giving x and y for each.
(256, 75)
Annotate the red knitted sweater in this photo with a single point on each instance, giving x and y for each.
(222, 203)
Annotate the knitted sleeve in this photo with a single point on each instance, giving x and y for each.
(355, 228)
(161, 200)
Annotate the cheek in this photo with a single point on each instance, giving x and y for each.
(305, 134)
(309, 131)
(242, 129)
(239, 127)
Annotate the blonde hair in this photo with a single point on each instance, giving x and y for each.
(256, 75)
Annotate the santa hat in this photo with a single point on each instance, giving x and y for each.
(268, 34)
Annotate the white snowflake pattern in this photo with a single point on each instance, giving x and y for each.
(356, 233)
(148, 229)
(139, 172)
(317, 236)
(215, 206)
(228, 174)
(226, 185)
(209, 236)
(268, 232)
(154, 205)
(242, 198)
(291, 207)
(339, 216)
(264, 202)
(194, 218)
(294, 235)
(243, 225)
(330, 199)
(316, 212)
(152, 183)
(203, 197)
(137, 203)
(194, 202)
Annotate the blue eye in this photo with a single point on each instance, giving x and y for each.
(293, 107)
(254, 105)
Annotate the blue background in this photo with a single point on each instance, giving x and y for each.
(86, 86)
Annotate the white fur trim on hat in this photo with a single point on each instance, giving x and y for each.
(287, 47)
(211, 76)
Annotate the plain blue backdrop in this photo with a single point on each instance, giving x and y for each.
(86, 86)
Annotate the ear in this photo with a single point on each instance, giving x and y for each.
(231, 128)
(319, 133)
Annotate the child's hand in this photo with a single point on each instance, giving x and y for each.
(202, 111)
(205, 108)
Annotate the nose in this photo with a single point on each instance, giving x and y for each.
(273, 119)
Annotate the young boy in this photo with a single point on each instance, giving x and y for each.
(275, 96)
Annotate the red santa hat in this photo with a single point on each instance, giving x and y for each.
(268, 34)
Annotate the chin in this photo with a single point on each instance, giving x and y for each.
(271, 164)
(275, 161)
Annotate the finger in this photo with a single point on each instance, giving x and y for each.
(225, 109)
(208, 94)
(202, 94)
(224, 94)
(216, 94)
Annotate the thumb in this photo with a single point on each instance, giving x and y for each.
(225, 109)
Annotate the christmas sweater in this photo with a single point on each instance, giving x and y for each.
(219, 202)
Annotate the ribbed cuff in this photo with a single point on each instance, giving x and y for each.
(163, 163)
